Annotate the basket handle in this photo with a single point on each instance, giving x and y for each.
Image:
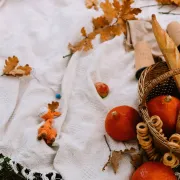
(156, 81)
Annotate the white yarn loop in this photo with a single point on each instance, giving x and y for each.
(14, 166)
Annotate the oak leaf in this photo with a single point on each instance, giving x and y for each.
(177, 2)
(11, 68)
(27, 69)
(115, 157)
(113, 160)
(53, 106)
(117, 5)
(100, 22)
(109, 11)
(110, 32)
(83, 32)
(10, 64)
(92, 3)
(112, 23)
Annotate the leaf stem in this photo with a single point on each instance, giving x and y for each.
(107, 143)
(149, 6)
(153, 5)
(168, 13)
(68, 55)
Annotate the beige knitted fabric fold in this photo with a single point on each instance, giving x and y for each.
(141, 30)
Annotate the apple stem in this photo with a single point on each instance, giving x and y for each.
(168, 98)
(115, 114)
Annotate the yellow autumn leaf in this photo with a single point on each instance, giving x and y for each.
(100, 22)
(112, 23)
(83, 32)
(10, 64)
(177, 2)
(11, 68)
(27, 69)
(92, 3)
(109, 11)
(109, 32)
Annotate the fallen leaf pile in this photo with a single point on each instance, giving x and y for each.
(175, 2)
(11, 68)
(92, 3)
(115, 157)
(112, 23)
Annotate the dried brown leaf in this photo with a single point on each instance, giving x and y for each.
(115, 158)
(10, 64)
(129, 151)
(136, 160)
(53, 106)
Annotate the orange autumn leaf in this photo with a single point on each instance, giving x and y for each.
(117, 5)
(100, 22)
(11, 68)
(10, 64)
(109, 11)
(83, 32)
(53, 106)
(92, 3)
(27, 69)
(112, 23)
(127, 12)
(164, 1)
(175, 2)
(110, 32)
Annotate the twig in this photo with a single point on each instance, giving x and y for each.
(173, 9)
(168, 13)
(149, 6)
(68, 55)
(161, 6)
(107, 143)
(153, 5)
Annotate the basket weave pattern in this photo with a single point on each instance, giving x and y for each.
(157, 80)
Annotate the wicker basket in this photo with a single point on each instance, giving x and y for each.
(154, 81)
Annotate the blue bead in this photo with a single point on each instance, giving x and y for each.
(58, 96)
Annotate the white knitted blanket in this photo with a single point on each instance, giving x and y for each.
(38, 32)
